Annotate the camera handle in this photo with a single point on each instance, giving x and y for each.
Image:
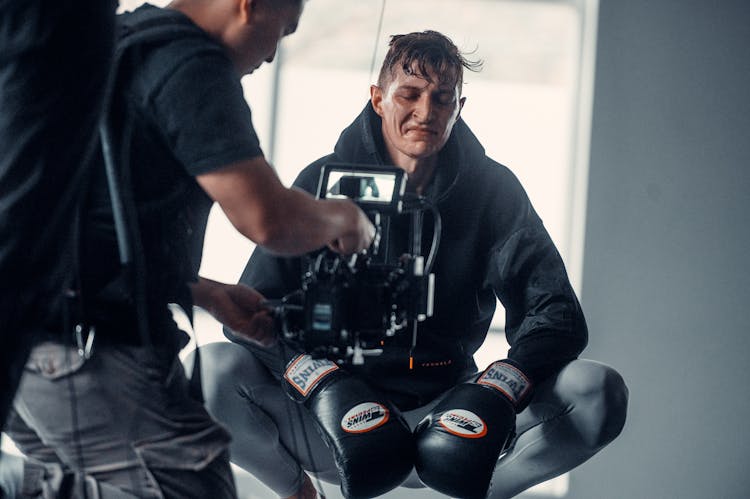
(358, 354)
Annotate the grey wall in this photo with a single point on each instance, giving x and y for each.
(666, 284)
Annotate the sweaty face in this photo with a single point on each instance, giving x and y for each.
(269, 24)
(418, 115)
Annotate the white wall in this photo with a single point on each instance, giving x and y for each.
(665, 277)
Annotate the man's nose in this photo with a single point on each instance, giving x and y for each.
(423, 109)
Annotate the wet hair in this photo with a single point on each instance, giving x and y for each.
(422, 53)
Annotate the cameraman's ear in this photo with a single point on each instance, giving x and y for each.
(244, 7)
(247, 9)
(376, 99)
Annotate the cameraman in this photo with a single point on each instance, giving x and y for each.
(113, 404)
(493, 245)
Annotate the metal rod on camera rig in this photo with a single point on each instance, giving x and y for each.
(416, 232)
(416, 249)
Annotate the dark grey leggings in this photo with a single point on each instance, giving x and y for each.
(571, 417)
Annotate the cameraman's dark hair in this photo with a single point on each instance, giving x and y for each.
(428, 50)
(283, 3)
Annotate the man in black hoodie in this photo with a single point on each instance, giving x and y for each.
(493, 245)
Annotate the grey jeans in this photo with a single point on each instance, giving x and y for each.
(123, 418)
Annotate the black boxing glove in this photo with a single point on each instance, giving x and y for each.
(372, 445)
(459, 442)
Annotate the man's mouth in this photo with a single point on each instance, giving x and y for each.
(421, 131)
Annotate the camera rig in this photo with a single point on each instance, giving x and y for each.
(348, 307)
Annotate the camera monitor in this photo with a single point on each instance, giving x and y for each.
(370, 186)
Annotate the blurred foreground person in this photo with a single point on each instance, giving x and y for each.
(50, 106)
(49, 112)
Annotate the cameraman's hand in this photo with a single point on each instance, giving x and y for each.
(238, 307)
(360, 231)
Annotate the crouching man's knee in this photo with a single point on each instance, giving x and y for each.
(600, 400)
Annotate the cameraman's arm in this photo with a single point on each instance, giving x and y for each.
(286, 221)
(238, 307)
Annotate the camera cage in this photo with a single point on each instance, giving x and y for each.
(348, 307)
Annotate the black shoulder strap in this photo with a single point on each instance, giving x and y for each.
(149, 26)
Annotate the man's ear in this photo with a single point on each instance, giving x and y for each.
(247, 9)
(376, 99)
(461, 103)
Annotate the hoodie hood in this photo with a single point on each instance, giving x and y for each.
(362, 143)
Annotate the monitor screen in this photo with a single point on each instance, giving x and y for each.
(370, 186)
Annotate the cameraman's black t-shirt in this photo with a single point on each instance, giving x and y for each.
(178, 112)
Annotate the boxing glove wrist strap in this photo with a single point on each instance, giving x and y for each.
(509, 380)
(304, 373)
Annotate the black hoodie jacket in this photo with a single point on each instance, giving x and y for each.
(492, 244)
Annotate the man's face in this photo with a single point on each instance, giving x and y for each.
(268, 25)
(417, 115)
